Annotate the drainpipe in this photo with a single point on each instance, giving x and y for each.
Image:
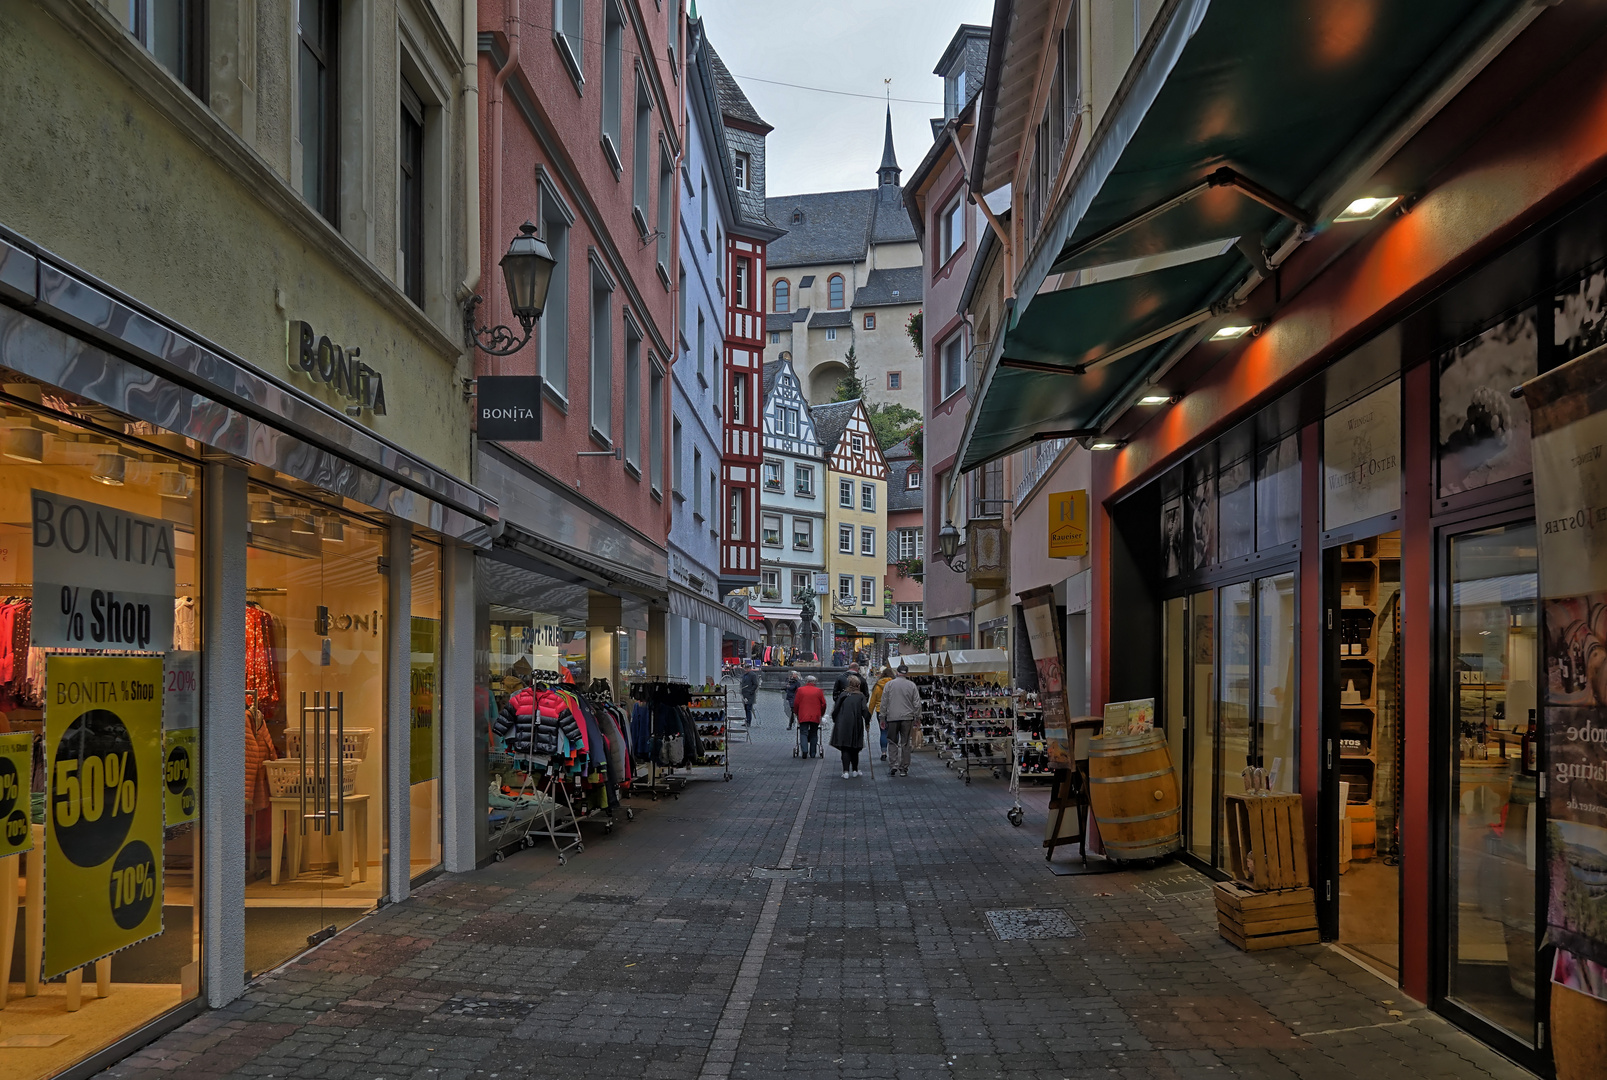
(471, 147)
(510, 24)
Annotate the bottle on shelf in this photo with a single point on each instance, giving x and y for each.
(1531, 748)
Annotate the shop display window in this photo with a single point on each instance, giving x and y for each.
(424, 680)
(110, 788)
(315, 722)
(1483, 430)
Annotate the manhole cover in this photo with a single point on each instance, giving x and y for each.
(1014, 923)
(481, 1009)
(603, 898)
(776, 873)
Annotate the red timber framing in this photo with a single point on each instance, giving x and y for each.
(743, 423)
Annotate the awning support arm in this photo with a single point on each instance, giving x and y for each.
(1223, 177)
(987, 211)
(1171, 329)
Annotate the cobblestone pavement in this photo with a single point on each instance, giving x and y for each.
(794, 922)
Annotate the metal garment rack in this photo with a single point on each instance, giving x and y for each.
(661, 779)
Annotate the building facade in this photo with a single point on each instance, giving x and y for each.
(792, 512)
(856, 530)
(846, 276)
(230, 325)
(906, 541)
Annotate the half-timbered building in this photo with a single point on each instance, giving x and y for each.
(792, 514)
(856, 527)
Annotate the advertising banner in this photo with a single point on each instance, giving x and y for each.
(16, 798)
(102, 577)
(181, 746)
(103, 811)
(1043, 635)
(1568, 410)
(1068, 524)
(1361, 459)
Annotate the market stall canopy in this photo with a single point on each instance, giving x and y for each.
(785, 614)
(872, 625)
(1245, 121)
(918, 663)
(976, 661)
(689, 605)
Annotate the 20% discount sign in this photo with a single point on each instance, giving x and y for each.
(103, 724)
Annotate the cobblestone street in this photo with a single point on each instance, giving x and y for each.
(794, 922)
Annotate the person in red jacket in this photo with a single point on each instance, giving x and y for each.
(810, 705)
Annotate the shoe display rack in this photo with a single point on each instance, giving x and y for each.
(931, 737)
(1032, 752)
(708, 705)
(977, 724)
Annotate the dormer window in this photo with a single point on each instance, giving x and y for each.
(912, 480)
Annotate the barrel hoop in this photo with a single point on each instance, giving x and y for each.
(1142, 817)
(1147, 849)
(1125, 779)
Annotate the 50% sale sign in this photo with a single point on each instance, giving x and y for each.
(103, 871)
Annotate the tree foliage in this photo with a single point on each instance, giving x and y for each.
(892, 423)
(850, 386)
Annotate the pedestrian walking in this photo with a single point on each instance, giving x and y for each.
(810, 703)
(876, 703)
(900, 712)
(750, 692)
(849, 714)
(790, 696)
(840, 687)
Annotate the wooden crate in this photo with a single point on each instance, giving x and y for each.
(1266, 920)
(1267, 842)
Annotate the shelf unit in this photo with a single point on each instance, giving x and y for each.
(708, 705)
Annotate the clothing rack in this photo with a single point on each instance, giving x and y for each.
(653, 690)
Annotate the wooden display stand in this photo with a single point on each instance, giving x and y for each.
(34, 930)
(1254, 921)
(1267, 842)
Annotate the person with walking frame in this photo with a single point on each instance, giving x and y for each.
(810, 703)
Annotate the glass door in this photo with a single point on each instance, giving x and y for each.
(1493, 815)
(1202, 723)
(1237, 647)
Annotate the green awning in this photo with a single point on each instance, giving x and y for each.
(1243, 120)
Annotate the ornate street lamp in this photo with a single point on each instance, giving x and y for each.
(948, 546)
(527, 272)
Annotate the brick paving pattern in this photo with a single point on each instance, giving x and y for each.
(651, 955)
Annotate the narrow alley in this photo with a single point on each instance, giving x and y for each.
(792, 922)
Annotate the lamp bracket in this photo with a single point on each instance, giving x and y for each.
(494, 340)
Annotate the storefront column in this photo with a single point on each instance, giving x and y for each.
(223, 759)
(604, 614)
(658, 642)
(713, 658)
(459, 707)
(398, 709)
(1417, 633)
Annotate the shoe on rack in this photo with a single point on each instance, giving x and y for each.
(845, 774)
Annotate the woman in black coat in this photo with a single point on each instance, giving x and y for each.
(849, 715)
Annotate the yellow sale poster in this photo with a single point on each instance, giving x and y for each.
(16, 794)
(103, 809)
(178, 775)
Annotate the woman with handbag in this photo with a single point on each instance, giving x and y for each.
(849, 715)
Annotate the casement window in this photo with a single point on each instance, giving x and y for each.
(857, 443)
(781, 296)
(772, 475)
(554, 324)
(831, 333)
(740, 282)
(770, 530)
(906, 544)
(703, 205)
(895, 380)
(739, 399)
(789, 422)
(633, 397)
(801, 583)
(666, 211)
(744, 169)
(317, 85)
(680, 296)
(867, 540)
(642, 157)
(613, 81)
(714, 502)
(775, 337)
(602, 355)
(677, 461)
(566, 21)
(174, 32)
(867, 497)
(702, 348)
(987, 490)
(912, 617)
(951, 364)
(912, 480)
(834, 292)
(845, 493)
(803, 534)
(845, 539)
(845, 587)
(867, 591)
(803, 480)
(410, 183)
(770, 584)
(950, 229)
(672, 11)
(697, 483)
(655, 424)
(870, 321)
(739, 507)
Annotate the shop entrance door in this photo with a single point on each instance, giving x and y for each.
(1362, 748)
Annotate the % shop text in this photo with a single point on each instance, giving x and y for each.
(111, 621)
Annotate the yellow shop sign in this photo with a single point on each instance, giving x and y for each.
(1068, 524)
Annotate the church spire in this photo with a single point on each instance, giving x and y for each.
(889, 171)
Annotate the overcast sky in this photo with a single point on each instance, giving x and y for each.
(824, 141)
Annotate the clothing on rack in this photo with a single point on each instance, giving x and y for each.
(259, 748)
(186, 625)
(262, 676)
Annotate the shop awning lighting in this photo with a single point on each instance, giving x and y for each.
(176, 485)
(25, 444)
(527, 273)
(263, 512)
(302, 525)
(1105, 444)
(1232, 333)
(334, 530)
(1154, 399)
(110, 469)
(1366, 209)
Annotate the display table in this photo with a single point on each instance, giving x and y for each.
(286, 813)
(34, 930)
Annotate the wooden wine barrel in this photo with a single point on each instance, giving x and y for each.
(1133, 791)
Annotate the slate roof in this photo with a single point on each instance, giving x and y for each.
(899, 496)
(771, 370)
(733, 102)
(826, 319)
(901, 449)
(782, 321)
(880, 286)
(890, 221)
(835, 227)
(831, 421)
